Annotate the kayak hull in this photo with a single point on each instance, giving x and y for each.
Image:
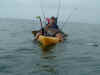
(47, 41)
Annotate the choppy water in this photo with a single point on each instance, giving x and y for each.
(79, 55)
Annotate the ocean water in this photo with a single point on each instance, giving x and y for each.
(20, 55)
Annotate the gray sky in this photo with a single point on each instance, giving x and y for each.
(88, 10)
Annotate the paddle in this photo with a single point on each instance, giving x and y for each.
(42, 29)
(36, 31)
(38, 17)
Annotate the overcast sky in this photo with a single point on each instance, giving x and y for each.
(88, 10)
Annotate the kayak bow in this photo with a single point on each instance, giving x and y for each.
(47, 41)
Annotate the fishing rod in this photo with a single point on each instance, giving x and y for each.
(58, 10)
(67, 19)
(42, 11)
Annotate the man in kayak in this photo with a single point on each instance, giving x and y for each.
(51, 29)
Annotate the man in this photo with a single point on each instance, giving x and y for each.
(51, 29)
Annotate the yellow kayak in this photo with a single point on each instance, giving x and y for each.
(47, 41)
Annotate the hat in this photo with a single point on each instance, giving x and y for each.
(53, 18)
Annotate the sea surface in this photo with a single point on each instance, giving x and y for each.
(20, 55)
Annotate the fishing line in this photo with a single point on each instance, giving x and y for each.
(69, 16)
(58, 10)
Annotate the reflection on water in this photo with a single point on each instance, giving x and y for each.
(46, 58)
(47, 64)
(47, 48)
